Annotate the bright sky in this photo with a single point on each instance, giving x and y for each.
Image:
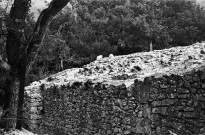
(202, 2)
(35, 5)
(38, 4)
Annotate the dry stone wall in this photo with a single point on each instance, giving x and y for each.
(151, 93)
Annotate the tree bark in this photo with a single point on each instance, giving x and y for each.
(19, 53)
(21, 121)
(14, 50)
(43, 20)
(10, 106)
(33, 45)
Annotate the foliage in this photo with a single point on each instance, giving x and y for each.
(80, 33)
(184, 21)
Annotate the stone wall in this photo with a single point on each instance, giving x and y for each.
(86, 108)
(152, 93)
(178, 103)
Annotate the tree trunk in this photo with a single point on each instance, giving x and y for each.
(19, 53)
(21, 121)
(15, 48)
(10, 106)
(12, 85)
(32, 48)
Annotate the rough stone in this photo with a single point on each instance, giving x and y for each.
(156, 103)
(182, 90)
(108, 97)
(168, 102)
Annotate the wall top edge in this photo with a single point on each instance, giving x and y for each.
(117, 70)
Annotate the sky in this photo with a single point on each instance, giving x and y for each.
(201, 2)
(38, 4)
(35, 5)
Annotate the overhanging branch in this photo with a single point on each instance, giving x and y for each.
(43, 21)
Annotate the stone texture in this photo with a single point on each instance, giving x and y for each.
(136, 94)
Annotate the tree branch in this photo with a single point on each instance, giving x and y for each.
(43, 21)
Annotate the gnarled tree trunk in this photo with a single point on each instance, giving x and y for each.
(14, 48)
(10, 106)
(20, 52)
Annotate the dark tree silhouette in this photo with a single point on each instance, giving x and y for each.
(20, 50)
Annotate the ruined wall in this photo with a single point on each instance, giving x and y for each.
(178, 103)
(134, 100)
(86, 108)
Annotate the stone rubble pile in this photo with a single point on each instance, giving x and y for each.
(175, 60)
(180, 59)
